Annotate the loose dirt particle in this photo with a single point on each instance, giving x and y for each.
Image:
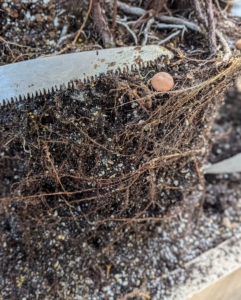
(162, 82)
(238, 44)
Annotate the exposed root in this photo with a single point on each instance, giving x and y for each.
(146, 31)
(137, 11)
(211, 27)
(102, 25)
(83, 25)
(129, 30)
(227, 51)
(112, 164)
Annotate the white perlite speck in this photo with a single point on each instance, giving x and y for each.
(175, 182)
(226, 222)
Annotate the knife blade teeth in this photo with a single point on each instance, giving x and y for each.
(70, 85)
(133, 67)
(87, 80)
(5, 102)
(122, 70)
(21, 97)
(38, 93)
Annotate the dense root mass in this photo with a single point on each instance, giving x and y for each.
(111, 151)
(108, 159)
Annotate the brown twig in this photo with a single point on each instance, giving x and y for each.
(83, 25)
(211, 27)
(16, 44)
(228, 5)
(114, 15)
(199, 13)
(102, 25)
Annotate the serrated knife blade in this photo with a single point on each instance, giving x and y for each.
(28, 77)
(226, 166)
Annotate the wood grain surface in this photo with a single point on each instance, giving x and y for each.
(227, 288)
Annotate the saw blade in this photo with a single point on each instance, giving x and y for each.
(226, 166)
(33, 77)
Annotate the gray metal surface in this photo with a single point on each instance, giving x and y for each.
(44, 73)
(230, 165)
